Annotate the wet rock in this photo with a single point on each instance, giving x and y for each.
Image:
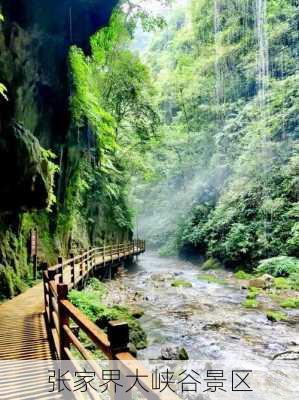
(215, 326)
(174, 353)
(264, 282)
(132, 349)
(178, 273)
(136, 312)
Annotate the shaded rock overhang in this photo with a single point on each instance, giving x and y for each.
(35, 40)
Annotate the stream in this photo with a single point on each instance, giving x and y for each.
(207, 319)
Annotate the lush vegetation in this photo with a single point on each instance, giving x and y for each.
(201, 137)
(87, 178)
(224, 175)
(113, 119)
(90, 301)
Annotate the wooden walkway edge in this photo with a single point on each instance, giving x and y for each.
(23, 333)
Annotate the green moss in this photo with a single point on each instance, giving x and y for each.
(250, 303)
(243, 275)
(181, 283)
(282, 283)
(211, 263)
(211, 279)
(10, 283)
(276, 316)
(294, 281)
(90, 303)
(291, 302)
(183, 355)
(253, 292)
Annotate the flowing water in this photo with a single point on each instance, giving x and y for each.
(207, 319)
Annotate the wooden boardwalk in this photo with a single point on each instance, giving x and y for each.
(36, 328)
(23, 345)
(23, 333)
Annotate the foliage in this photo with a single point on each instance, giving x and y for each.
(210, 263)
(113, 119)
(227, 161)
(90, 301)
(279, 266)
(243, 275)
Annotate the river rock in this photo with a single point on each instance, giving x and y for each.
(136, 312)
(132, 349)
(264, 282)
(174, 353)
(214, 326)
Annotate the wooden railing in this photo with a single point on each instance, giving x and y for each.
(64, 320)
(65, 275)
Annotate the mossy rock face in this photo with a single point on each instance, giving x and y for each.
(26, 183)
(276, 316)
(136, 333)
(211, 263)
(14, 269)
(10, 283)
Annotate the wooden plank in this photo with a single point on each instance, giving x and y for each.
(76, 342)
(94, 332)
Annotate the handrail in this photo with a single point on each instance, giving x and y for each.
(60, 312)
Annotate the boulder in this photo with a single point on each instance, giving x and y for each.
(174, 353)
(136, 312)
(263, 282)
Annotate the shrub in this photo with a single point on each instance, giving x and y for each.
(90, 303)
(281, 266)
(243, 275)
(211, 263)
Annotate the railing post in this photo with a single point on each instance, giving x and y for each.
(62, 291)
(72, 270)
(118, 336)
(81, 263)
(104, 254)
(51, 274)
(60, 261)
(46, 292)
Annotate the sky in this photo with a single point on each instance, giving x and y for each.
(155, 7)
